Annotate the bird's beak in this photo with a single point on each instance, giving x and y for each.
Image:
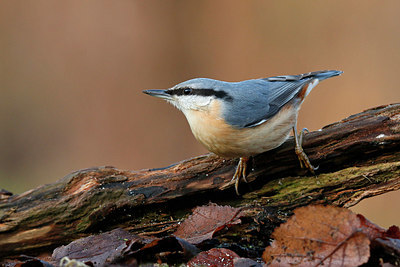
(158, 93)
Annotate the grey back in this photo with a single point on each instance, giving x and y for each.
(255, 101)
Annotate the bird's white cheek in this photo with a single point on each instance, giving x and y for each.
(194, 102)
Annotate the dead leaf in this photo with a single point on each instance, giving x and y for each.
(206, 221)
(214, 257)
(171, 250)
(320, 235)
(95, 249)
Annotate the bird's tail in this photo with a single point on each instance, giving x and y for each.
(320, 75)
(325, 74)
(313, 78)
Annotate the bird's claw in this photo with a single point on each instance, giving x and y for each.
(303, 159)
(240, 173)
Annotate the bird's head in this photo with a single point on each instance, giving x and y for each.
(195, 94)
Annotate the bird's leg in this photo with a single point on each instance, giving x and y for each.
(241, 171)
(303, 159)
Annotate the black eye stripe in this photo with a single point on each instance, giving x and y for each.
(200, 92)
(181, 91)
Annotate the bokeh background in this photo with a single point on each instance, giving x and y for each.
(72, 72)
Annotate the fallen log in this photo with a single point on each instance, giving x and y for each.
(358, 157)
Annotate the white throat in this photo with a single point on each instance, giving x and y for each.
(191, 102)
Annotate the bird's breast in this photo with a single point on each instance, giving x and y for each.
(217, 136)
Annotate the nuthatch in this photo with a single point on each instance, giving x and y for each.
(243, 119)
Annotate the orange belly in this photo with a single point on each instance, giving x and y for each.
(226, 141)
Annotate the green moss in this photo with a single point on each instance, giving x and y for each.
(290, 189)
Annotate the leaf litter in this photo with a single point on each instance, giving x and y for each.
(315, 235)
(324, 235)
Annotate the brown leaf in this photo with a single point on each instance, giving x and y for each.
(320, 235)
(214, 257)
(96, 249)
(206, 221)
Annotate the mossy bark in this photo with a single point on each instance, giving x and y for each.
(358, 157)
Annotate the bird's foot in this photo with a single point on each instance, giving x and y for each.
(241, 172)
(303, 159)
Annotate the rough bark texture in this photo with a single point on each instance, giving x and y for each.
(358, 157)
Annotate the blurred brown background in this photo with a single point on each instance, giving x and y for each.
(72, 72)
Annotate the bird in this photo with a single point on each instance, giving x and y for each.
(245, 118)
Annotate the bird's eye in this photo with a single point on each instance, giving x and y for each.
(187, 91)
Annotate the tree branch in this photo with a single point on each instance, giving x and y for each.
(358, 157)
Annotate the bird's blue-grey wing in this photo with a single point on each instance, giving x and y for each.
(256, 101)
